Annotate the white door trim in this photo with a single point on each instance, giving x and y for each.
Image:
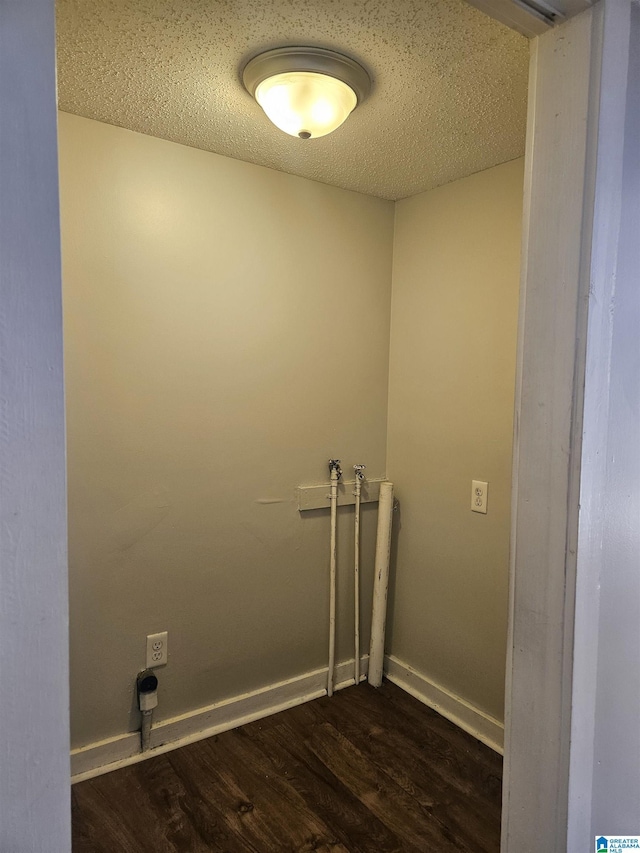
(34, 692)
(574, 147)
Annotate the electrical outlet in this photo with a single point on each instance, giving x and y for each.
(157, 648)
(479, 493)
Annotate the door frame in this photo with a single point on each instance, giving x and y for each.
(554, 553)
(34, 634)
(571, 229)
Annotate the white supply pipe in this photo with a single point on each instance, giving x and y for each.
(334, 468)
(356, 572)
(381, 584)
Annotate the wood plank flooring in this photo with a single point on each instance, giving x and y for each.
(367, 771)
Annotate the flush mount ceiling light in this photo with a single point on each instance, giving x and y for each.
(306, 91)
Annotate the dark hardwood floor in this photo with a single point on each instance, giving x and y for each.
(371, 771)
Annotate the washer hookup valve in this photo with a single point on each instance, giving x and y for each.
(334, 465)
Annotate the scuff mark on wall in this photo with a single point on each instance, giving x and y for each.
(139, 517)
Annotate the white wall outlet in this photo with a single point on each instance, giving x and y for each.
(157, 647)
(479, 493)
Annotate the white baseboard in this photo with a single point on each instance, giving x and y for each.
(104, 756)
(474, 721)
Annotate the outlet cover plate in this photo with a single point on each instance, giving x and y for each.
(479, 494)
(157, 649)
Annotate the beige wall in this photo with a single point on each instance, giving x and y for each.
(453, 340)
(212, 365)
(227, 331)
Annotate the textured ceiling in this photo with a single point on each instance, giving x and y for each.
(448, 99)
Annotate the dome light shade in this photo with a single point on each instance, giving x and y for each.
(306, 104)
(306, 92)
